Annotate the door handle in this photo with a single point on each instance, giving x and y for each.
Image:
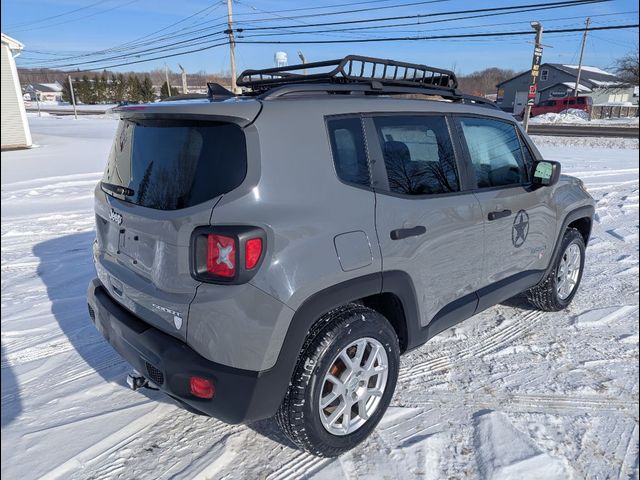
(400, 233)
(500, 214)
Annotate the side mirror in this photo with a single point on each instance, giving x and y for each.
(545, 173)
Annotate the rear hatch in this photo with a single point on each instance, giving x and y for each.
(162, 180)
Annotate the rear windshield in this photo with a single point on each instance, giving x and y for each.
(173, 164)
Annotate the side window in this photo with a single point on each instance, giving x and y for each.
(349, 152)
(495, 152)
(528, 156)
(544, 75)
(418, 154)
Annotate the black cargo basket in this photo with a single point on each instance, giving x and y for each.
(351, 69)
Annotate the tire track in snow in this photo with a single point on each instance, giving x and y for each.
(629, 462)
(107, 444)
(495, 340)
(565, 404)
(300, 465)
(170, 443)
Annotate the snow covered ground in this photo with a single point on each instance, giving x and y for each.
(511, 393)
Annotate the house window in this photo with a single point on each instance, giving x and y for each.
(544, 75)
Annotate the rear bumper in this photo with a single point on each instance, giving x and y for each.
(241, 395)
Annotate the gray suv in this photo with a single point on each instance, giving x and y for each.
(275, 252)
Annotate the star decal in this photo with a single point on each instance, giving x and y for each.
(520, 228)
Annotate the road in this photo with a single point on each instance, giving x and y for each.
(584, 131)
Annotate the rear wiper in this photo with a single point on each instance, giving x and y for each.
(119, 189)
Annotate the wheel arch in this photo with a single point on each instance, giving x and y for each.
(389, 293)
(582, 219)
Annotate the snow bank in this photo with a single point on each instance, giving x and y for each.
(571, 115)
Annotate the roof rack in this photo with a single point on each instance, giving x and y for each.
(351, 69)
(356, 74)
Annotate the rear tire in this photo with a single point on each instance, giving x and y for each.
(358, 332)
(557, 289)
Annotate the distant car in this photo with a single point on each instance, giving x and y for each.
(561, 104)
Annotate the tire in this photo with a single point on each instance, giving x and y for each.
(545, 296)
(300, 416)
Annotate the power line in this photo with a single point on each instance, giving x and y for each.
(64, 14)
(375, 27)
(495, 11)
(344, 12)
(71, 20)
(425, 15)
(320, 7)
(436, 37)
(105, 67)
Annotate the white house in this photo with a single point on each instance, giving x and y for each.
(45, 92)
(14, 130)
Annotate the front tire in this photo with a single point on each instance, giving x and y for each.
(343, 382)
(557, 289)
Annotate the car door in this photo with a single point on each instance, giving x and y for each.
(428, 225)
(519, 219)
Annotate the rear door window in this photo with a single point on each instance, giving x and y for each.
(495, 152)
(173, 164)
(349, 152)
(418, 154)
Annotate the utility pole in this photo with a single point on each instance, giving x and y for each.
(232, 47)
(73, 98)
(184, 79)
(584, 41)
(535, 72)
(166, 76)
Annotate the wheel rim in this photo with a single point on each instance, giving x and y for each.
(353, 386)
(569, 271)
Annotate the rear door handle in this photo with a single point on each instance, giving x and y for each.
(401, 233)
(500, 214)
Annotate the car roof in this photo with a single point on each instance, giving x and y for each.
(247, 107)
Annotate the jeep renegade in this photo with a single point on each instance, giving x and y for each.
(275, 252)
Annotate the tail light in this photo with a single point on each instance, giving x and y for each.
(201, 387)
(227, 254)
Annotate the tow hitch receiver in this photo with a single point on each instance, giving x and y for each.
(137, 381)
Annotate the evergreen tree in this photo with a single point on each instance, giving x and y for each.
(101, 88)
(66, 92)
(119, 88)
(147, 91)
(163, 91)
(83, 90)
(134, 88)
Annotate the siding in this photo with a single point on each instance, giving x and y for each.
(14, 128)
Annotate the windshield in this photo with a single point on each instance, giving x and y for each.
(173, 164)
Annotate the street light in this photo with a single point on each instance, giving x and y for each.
(302, 59)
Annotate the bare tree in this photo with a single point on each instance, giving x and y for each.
(628, 67)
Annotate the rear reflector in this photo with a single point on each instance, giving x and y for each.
(221, 255)
(252, 252)
(201, 387)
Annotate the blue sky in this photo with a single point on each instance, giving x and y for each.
(55, 34)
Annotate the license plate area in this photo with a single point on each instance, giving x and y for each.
(128, 244)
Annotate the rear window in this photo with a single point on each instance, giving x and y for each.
(173, 164)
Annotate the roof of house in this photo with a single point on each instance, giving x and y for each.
(571, 85)
(46, 87)
(12, 43)
(590, 77)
